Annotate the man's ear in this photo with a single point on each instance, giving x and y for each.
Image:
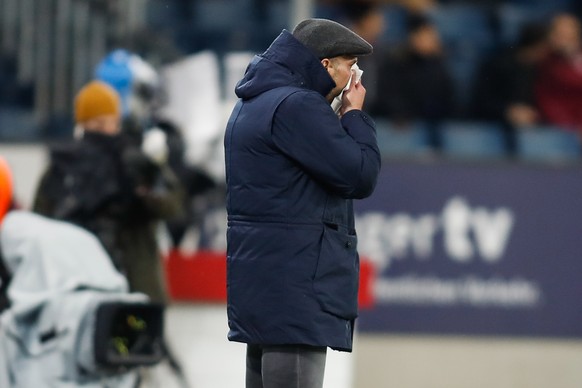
(325, 62)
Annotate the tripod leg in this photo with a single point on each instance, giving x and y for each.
(175, 366)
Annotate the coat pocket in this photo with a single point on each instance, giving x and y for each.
(337, 274)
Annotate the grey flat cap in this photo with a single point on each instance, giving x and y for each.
(328, 39)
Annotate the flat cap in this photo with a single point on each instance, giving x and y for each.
(328, 39)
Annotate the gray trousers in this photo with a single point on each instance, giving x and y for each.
(285, 366)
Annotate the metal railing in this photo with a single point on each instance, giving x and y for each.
(57, 43)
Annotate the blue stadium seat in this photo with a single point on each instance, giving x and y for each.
(279, 15)
(221, 25)
(464, 28)
(472, 140)
(554, 5)
(212, 15)
(396, 29)
(468, 36)
(548, 144)
(411, 140)
(18, 124)
(327, 11)
(511, 19)
(161, 14)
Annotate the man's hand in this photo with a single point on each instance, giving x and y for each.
(353, 98)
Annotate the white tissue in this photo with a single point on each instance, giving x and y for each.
(336, 104)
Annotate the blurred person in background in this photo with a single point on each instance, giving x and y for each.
(142, 96)
(113, 188)
(117, 187)
(505, 84)
(559, 83)
(414, 80)
(293, 167)
(365, 18)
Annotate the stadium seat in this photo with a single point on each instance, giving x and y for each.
(512, 17)
(472, 140)
(463, 26)
(161, 14)
(468, 36)
(18, 124)
(553, 5)
(279, 15)
(222, 15)
(548, 144)
(410, 140)
(327, 11)
(396, 28)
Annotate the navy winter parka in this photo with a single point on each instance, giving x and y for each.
(292, 169)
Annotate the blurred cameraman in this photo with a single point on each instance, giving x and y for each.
(114, 187)
(142, 94)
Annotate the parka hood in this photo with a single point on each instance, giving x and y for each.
(287, 62)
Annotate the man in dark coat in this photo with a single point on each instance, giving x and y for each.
(293, 167)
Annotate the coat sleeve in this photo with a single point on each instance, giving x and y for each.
(342, 155)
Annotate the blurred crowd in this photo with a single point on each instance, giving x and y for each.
(510, 63)
(515, 64)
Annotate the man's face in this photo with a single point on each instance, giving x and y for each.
(340, 70)
(107, 125)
